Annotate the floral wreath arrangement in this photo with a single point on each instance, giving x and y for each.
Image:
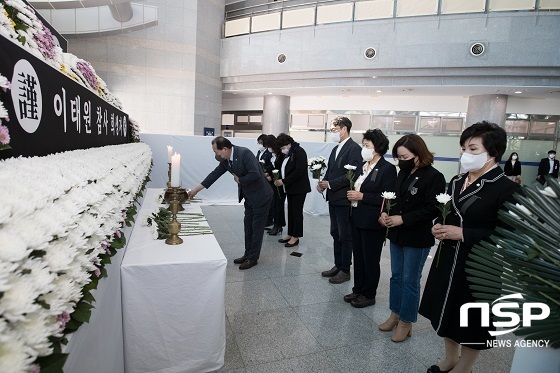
(316, 165)
(56, 238)
(19, 22)
(4, 132)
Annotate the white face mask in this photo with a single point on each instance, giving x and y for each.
(270, 150)
(514, 157)
(551, 155)
(335, 136)
(262, 148)
(368, 154)
(473, 162)
(285, 151)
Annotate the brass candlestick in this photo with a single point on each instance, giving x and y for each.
(181, 197)
(168, 175)
(174, 226)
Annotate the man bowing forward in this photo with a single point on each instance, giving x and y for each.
(252, 185)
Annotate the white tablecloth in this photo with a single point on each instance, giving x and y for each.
(173, 300)
(315, 204)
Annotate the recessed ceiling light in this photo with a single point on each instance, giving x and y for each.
(233, 93)
(379, 91)
(374, 77)
(518, 91)
(269, 93)
(396, 121)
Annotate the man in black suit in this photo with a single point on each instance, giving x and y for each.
(337, 184)
(252, 185)
(548, 166)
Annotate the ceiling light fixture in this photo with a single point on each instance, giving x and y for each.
(518, 91)
(379, 91)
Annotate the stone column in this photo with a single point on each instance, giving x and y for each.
(491, 108)
(276, 115)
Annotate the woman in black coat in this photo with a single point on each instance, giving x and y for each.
(279, 197)
(295, 182)
(477, 196)
(512, 168)
(375, 177)
(410, 224)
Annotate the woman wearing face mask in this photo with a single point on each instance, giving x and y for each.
(376, 176)
(512, 168)
(477, 195)
(295, 183)
(410, 223)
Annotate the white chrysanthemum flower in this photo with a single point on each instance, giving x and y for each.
(389, 195)
(13, 249)
(549, 192)
(155, 234)
(19, 299)
(59, 256)
(349, 167)
(35, 331)
(39, 275)
(317, 167)
(6, 272)
(14, 356)
(443, 198)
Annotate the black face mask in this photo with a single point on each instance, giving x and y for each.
(407, 165)
(218, 158)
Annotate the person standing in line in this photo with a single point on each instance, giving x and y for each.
(512, 168)
(279, 196)
(295, 182)
(252, 186)
(548, 167)
(268, 143)
(410, 223)
(336, 183)
(376, 176)
(476, 197)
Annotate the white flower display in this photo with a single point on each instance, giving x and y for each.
(275, 171)
(443, 198)
(389, 195)
(69, 220)
(316, 167)
(549, 192)
(349, 167)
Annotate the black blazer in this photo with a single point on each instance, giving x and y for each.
(417, 206)
(252, 186)
(514, 170)
(296, 179)
(350, 153)
(266, 157)
(544, 167)
(381, 179)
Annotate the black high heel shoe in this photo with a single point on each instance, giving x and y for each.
(275, 231)
(292, 244)
(282, 240)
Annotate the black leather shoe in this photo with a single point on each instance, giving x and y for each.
(292, 244)
(339, 278)
(350, 297)
(275, 231)
(436, 369)
(248, 264)
(362, 301)
(331, 272)
(239, 260)
(284, 240)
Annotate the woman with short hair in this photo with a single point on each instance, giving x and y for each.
(477, 196)
(410, 223)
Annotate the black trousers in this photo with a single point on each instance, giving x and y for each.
(255, 218)
(279, 199)
(295, 214)
(367, 245)
(272, 210)
(341, 233)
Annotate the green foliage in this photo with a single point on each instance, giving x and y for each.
(524, 259)
(52, 363)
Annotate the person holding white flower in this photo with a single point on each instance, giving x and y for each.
(410, 222)
(476, 197)
(336, 183)
(375, 176)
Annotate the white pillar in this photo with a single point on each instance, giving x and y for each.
(276, 115)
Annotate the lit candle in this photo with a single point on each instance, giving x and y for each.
(176, 170)
(169, 151)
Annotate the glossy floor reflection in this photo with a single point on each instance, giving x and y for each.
(282, 316)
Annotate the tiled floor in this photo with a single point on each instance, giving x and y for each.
(282, 316)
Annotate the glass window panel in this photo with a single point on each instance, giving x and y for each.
(404, 124)
(255, 118)
(360, 122)
(299, 120)
(316, 121)
(430, 124)
(242, 119)
(543, 128)
(228, 119)
(454, 125)
(383, 122)
(519, 127)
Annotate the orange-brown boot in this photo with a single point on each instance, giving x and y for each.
(391, 322)
(404, 330)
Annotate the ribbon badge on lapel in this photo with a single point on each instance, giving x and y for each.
(412, 189)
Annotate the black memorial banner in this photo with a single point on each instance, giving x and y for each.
(50, 112)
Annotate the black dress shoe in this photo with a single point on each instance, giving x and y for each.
(239, 260)
(436, 369)
(284, 240)
(248, 264)
(275, 231)
(331, 272)
(350, 297)
(292, 244)
(362, 301)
